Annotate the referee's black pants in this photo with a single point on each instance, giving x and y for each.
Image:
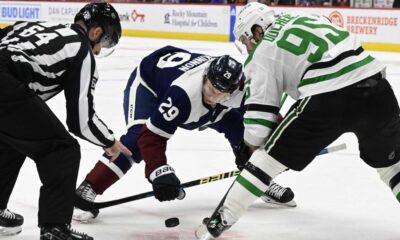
(28, 128)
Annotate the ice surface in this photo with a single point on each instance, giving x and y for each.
(338, 196)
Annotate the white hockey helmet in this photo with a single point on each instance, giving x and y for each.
(253, 13)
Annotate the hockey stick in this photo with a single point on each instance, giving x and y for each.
(87, 205)
(333, 148)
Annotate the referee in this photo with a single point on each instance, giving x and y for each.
(38, 60)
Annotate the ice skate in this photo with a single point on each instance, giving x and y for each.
(278, 195)
(86, 192)
(62, 232)
(10, 223)
(212, 227)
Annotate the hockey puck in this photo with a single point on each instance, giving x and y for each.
(172, 222)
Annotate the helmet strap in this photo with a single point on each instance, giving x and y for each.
(93, 43)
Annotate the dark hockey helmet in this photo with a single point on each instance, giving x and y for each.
(105, 16)
(225, 73)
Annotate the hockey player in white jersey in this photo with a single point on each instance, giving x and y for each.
(338, 88)
(174, 88)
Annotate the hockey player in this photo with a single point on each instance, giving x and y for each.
(338, 87)
(174, 88)
(38, 61)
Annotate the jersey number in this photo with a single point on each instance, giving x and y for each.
(173, 59)
(168, 111)
(44, 38)
(306, 38)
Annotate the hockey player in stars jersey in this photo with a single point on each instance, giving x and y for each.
(38, 60)
(172, 88)
(338, 87)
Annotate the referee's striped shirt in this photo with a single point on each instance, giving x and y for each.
(53, 57)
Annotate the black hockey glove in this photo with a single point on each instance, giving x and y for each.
(242, 153)
(166, 185)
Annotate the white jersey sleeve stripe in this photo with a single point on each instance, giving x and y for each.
(156, 130)
(37, 86)
(135, 122)
(112, 166)
(83, 101)
(68, 51)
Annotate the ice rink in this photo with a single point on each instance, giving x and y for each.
(338, 196)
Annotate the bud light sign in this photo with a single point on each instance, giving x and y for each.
(19, 12)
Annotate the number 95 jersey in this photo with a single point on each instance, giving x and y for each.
(165, 92)
(300, 55)
(304, 55)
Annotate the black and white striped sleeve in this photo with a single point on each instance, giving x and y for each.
(79, 92)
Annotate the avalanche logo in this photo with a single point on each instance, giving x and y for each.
(337, 18)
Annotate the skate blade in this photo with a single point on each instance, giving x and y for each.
(202, 233)
(9, 231)
(272, 202)
(83, 216)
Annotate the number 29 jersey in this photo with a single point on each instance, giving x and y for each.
(165, 92)
(300, 55)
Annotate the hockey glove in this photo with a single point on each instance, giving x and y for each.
(166, 185)
(242, 153)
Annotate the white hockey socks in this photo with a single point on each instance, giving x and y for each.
(251, 184)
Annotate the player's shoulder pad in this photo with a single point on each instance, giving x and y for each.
(167, 49)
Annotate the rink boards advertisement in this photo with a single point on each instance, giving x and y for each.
(378, 29)
(176, 21)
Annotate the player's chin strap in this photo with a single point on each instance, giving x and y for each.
(87, 205)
